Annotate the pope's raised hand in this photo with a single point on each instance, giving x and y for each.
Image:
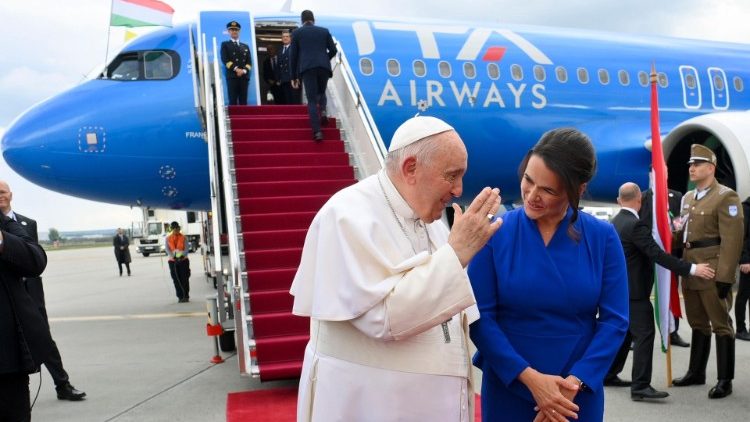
(473, 228)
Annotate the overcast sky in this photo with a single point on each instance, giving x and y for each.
(48, 46)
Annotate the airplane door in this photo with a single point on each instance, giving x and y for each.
(214, 25)
(719, 91)
(691, 87)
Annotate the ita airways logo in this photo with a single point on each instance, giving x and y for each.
(475, 41)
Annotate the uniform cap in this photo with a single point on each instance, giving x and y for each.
(700, 153)
(234, 25)
(174, 225)
(415, 129)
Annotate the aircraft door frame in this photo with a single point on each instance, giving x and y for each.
(691, 96)
(719, 95)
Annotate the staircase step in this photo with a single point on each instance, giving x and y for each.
(296, 187)
(274, 279)
(273, 147)
(272, 258)
(255, 240)
(291, 159)
(235, 110)
(271, 174)
(276, 122)
(277, 221)
(284, 203)
(271, 301)
(290, 134)
(281, 349)
(280, 370)
(280, 324)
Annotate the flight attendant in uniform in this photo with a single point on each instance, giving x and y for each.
(236, 58)
(710, 230)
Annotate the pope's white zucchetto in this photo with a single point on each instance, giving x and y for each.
(415, 129)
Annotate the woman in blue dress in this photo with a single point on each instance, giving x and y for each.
(551, 286)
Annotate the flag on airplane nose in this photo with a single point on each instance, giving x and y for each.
(132, 13)
(660, 229)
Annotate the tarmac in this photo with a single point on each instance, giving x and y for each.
(141, 356)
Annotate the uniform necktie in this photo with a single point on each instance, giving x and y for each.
(284, 51)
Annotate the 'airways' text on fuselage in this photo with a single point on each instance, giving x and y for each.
(435, 93)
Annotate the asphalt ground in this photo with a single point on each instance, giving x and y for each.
(141, 356)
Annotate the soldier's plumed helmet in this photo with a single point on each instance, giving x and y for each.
(699, 153)
(234, 25)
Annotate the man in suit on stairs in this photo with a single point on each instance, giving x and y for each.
(312, 51)
(641, 251)
(290, 94)
(65, 391)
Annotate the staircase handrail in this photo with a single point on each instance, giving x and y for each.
(371, 129)
(214, 175)
(229, 207)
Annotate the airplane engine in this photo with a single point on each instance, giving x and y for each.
(727, 134)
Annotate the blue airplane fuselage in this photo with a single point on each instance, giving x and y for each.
(140, 142)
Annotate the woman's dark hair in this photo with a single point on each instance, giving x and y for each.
(570, 154)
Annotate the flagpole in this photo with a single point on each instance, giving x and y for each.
(109, 30)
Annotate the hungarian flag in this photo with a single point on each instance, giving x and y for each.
(133, 13)
(660, 228)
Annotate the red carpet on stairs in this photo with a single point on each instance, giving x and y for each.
(283, 178)
(276, 405)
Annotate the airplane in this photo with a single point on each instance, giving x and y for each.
(132, 136)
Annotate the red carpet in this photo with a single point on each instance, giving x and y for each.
(274, 405)
(283, 178)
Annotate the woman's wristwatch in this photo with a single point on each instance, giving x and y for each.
(581, 385)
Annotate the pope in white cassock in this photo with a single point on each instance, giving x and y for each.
(384, 283)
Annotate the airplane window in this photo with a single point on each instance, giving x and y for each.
(583, 75)
(365, 66)
(643, 78)
(738, 85)
(718, 83)
(690, 81)
(624, 77)
(143, 65)
(493, 70)
(444, 69)
(562, 74)
(603, 76)
(470, 72)
(419, 68)
(394, 67)
(126, 68)
(539, 74)
(157, 65)
(516, 72)
(662, 78)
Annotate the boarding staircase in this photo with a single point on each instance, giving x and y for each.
(282, 179)
(268, 180)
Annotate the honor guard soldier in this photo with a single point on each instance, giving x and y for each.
(710, 230)
(236, 58)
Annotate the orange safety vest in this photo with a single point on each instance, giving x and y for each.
(176, 242)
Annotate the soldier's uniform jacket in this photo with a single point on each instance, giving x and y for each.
(715, 217)
(234, 56)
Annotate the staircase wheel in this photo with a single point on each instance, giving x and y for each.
(226, 341)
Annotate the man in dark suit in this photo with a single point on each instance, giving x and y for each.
(121, 244)
(674, 201)
(25, 341)
(312, 51)
(65, 391)
(291, 95)
(272, 74)
(236, 58)
(640, 253)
